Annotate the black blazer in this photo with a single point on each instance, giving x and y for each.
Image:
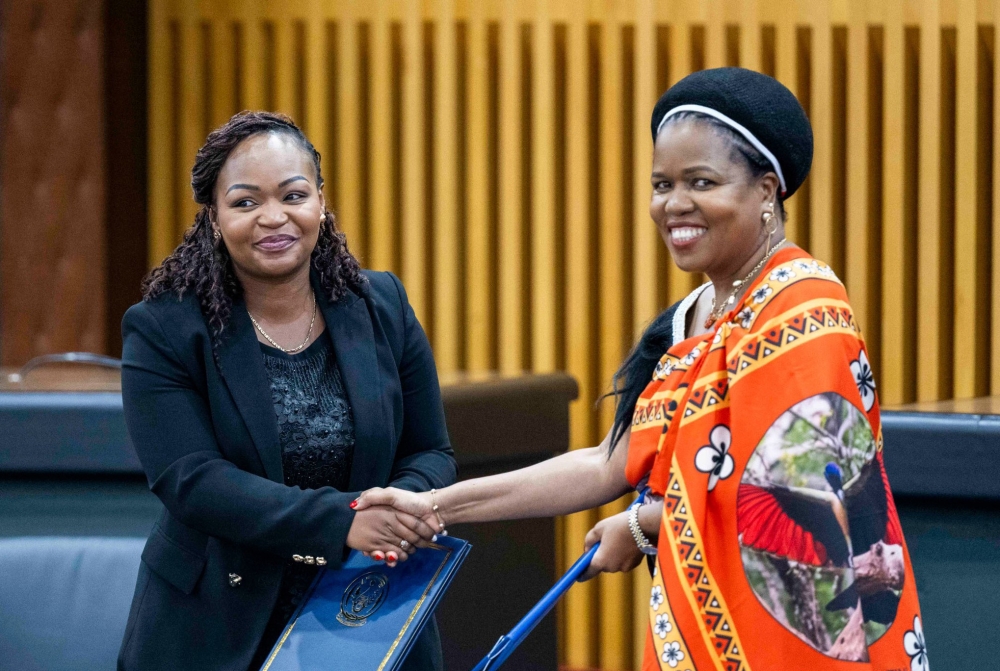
(207, 437)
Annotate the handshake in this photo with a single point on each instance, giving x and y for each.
(391, 524)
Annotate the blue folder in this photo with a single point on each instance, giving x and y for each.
(365, 615)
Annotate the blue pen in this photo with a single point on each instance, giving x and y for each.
(509, 642)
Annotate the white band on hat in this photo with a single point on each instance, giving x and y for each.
(740, 128)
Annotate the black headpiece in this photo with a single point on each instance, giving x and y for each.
(757, 107)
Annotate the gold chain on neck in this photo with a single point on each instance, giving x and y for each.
(718, 310)
(293, 350)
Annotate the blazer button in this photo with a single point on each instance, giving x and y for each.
(297, 558)
(309, 560)
(234, 580)
(320, 561)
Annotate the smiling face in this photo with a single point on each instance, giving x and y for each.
(706, 203)
(268, 207)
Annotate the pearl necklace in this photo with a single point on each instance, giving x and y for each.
(717, 311)
(293, 350)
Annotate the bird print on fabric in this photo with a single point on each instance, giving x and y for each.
(849, 526)
(821, 537)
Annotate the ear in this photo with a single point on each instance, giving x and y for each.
(769, 186)
(322, 198)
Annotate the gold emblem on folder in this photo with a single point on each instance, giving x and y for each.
(362, 598)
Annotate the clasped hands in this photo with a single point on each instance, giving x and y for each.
(392, 523)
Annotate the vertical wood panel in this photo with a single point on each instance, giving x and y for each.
(349, 133)
(787, 65)
(860, 227)
(750, 43)
(192, 122)
(381, 152)
(642, 584)
(616, 615)
(223, 69)
(253, 68)
(579, 641)
(929, 339)
(316, 115)
(994, 323)
(414, 213)
(544, 262)
(896, 370)
(680, 283)
(715, 33)
(971, 261)
(510, 244)
(447, 319)
(161, 141)
(822, 234)
(480, 277)
(285, 84)
(646, 240)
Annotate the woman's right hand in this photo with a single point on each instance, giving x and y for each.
(379, 529)
(417, 504)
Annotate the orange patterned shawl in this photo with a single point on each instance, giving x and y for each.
(780, 547)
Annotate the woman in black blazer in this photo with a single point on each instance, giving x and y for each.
(268, 380)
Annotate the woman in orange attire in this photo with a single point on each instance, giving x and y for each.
(755, 436)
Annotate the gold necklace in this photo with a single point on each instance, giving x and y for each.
(717, 311)
(293, 350)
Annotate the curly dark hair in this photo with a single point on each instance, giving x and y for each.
(202, 265)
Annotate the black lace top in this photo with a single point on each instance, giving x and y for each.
(316, 430)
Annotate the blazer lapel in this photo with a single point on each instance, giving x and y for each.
(243, 370)
(353, 337)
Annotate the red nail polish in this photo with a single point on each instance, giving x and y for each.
(378, 556)
(354, 504)
(392, 556)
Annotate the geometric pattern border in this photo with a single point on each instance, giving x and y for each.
(700, 586)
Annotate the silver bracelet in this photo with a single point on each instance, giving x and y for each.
(640, 538)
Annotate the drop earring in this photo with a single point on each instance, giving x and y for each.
(770, 222)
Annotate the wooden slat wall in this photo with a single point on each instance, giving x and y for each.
(495, 154)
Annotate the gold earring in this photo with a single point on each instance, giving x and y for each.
(770, 222)
(216, 235)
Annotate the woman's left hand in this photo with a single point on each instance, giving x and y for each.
(618, 551)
